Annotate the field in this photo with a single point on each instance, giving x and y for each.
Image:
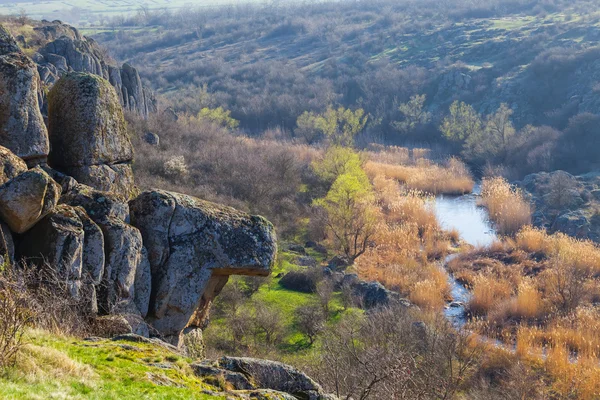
(83, 12)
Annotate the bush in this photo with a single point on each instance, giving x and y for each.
(15, 315)
(304, 281)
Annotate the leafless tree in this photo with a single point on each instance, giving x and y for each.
(387, 354)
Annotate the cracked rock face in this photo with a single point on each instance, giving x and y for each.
(193, 246)
(68, 50)
(22, 127)
(88, 134)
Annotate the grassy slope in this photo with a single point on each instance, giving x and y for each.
(61, 367)
(294, 345)
(52, 366)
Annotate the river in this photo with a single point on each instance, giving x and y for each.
(461, 213)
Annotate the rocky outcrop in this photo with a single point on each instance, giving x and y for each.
(8, 44)
(193, 246)
(22, 127)
(57, 242)
(565, 203)
(250, 373)
(67, 50)
(88, 134)
(163, 264)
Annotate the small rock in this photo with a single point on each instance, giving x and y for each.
(339, 263)
(152, 139)
(296, 248)
(306, 261)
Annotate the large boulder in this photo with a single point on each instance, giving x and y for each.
(193, 246)
(88, 133)
(10, 165)
(27, 198)
(245, 373)
(22, 127)
(57, 242)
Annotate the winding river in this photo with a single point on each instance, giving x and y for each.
(462, 214)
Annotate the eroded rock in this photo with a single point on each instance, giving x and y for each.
(10, 165)
(22, 127)
(88, 134)
(193, 246)
(245, 373)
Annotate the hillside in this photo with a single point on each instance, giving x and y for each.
(270, 64)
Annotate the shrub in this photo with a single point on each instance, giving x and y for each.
(304, 281)
(176, 167)
(15, 315)
(310, 320)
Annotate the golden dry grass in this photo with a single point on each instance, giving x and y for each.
(506, 205)
(425, 176)
(408, 240)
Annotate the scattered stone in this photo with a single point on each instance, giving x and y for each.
(299, 281)
(129, 347)
(296, 248)
(339, 263)
(306, 261)
(273, 375)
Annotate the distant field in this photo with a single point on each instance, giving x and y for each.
(91, 11)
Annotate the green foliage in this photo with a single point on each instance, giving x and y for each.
(338, 161)
(340, 126)
(414, 114)
(462, 123)
(218, 116)
(349, 214)
(482, 138)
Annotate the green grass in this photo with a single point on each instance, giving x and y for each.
(54, 367)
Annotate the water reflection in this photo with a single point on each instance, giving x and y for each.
(463, 214)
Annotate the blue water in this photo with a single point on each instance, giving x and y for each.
(462, 214)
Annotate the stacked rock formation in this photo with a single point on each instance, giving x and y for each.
(68, 203)
(69, 51)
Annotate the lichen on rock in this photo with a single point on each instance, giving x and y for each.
(88, 133)
(193, 246)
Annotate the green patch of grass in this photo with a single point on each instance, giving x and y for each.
(55, 367)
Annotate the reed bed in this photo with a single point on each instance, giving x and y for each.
(507, 207)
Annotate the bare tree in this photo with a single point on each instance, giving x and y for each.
(310, 321)
(389, 355)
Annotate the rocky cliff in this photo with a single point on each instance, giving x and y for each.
(68, 201)
(565, 203)
(59, 48)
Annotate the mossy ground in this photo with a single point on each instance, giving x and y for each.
(58, 367)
